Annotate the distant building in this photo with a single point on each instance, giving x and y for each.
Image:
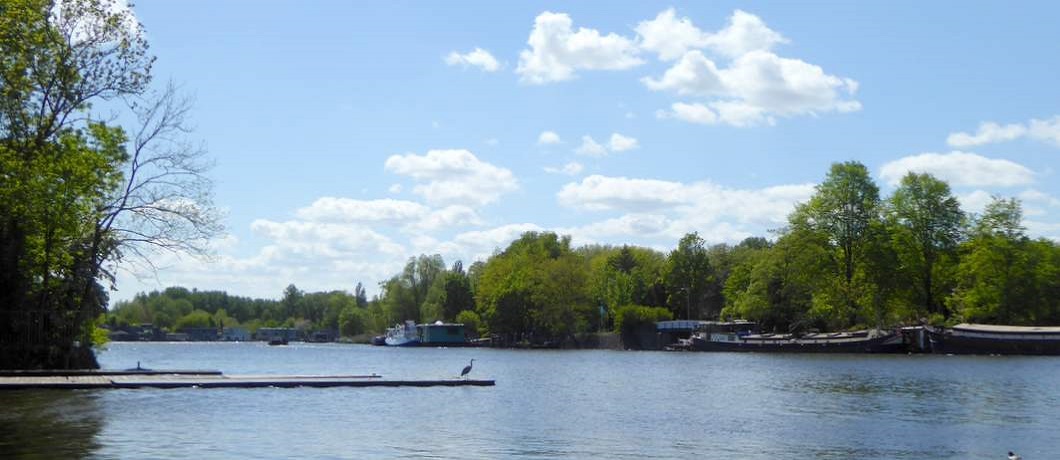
(282, 334)
(326, 335)
(176, 337)
(235, 334)
(440, 333)
(201, 334)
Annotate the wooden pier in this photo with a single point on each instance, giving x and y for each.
(87, 380)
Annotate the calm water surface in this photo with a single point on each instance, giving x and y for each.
(552, 404)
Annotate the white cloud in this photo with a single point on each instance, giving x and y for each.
(299, 241)
(959, 169)
(975, 201)
(475, 58)
(692, 113)
(617, 143)
(599, 193)
(711, 201)
(331, 209)
(557, 51)
(591, 148)
(1050, 230)
(453, 177)
(654, 209)
(570, 169)
(620, 143)
(694, 74)
(744, 34)
(480, 244)
(991, 133)
(988, 133)
(669, 36)
(1046, 130)
(446, 218)
(755, 87)
(548, 138)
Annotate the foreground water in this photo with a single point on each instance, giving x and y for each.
(552, 404)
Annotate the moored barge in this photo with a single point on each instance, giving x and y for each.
(987, 339)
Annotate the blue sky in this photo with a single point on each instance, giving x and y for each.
(349, 136)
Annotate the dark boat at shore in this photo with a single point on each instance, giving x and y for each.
(870, 341)
(986, 339)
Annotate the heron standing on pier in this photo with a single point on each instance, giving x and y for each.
(467, 369)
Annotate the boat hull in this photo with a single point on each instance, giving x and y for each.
(401, 342)
(946, 342)
(890, 343)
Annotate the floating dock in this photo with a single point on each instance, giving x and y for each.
(88, 380)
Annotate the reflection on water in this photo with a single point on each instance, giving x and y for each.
(49, 424)
(549, 404)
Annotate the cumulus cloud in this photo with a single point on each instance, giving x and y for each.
(744, 34)
(477, 57)
(652, 209)
(480, 244)
(991, 133)
(570, 169)
(332, 209)
(617, 143)
(591, 148)
(548, 138)
(960, 169)
(620, 143)
(301, 241)
(755, 87)
(603, 193)
(557, 51)
(453, 177)
(670, 37)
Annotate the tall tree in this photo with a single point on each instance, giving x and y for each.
(842, 209)
(688, 277)
(1004, 277)
(928, 221)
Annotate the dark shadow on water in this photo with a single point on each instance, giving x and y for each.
(49, 424)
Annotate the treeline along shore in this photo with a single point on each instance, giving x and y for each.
(846, 260)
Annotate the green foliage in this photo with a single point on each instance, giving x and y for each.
(196, 318)
(1005, 277)
(630, 317)
(353, 321)
(926, 224)
(471, 321)
(537, 287)
(689, 278)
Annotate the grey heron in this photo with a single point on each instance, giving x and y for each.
(467, 369)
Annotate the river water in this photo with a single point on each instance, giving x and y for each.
(552, 404)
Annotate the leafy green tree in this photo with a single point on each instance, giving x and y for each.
(927, 224)
(842, 210)
(537, 289)
(1003, 276)
(689, 277)
(471, 321)
(78, 195)
(197, 318)
(458, 295)
(353, 321)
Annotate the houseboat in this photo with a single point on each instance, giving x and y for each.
(403, 335)
(436, 334)
(986, 339)
(869, 341)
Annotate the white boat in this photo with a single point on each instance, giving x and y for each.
(403, 335)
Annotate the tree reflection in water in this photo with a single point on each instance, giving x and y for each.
(49, 423)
